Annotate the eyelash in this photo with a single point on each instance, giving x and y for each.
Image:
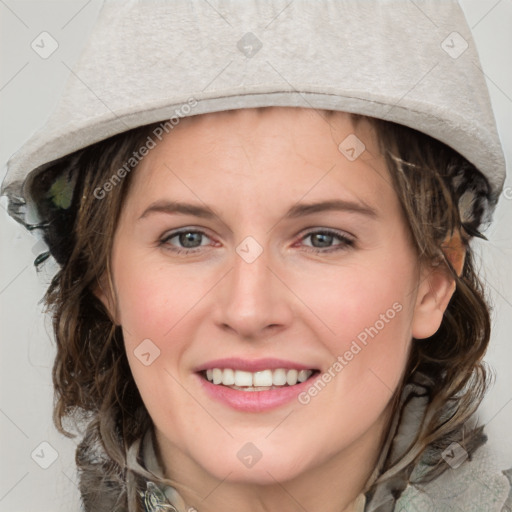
(345, 244)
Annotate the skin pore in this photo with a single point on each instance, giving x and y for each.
(250, 167)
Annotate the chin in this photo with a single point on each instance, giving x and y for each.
(271, 467)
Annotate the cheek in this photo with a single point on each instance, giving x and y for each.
(155, 309)
(354, 302)
(152, 300)
(159, 311)
(365, 314)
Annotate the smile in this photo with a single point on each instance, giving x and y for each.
(254, 385)
(256, 381)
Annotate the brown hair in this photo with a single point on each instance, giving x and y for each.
(92, 379)
(431, 180)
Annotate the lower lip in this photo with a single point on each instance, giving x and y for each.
(254, 401)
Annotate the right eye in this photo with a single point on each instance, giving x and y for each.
(189, 240)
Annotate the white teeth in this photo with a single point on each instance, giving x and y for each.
(303, 375)
(279, 377)
(242, 378)
(217, 376)
(262, 380)
(291, 377)
(228, 377)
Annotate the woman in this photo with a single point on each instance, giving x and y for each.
(267, 298)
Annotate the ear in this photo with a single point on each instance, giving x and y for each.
(436, 288)
(105, 294)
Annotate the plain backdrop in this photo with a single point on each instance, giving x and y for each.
(29, 89)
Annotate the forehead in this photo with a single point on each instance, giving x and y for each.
(265, 154)
(280, 122)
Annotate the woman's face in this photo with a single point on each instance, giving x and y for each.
(293, 255)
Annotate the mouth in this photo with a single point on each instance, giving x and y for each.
(264, 380)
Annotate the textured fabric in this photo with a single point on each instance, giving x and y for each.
(476, 486)
(154, 60)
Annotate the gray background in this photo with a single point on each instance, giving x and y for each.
(29, 89)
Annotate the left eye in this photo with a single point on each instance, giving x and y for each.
(187, 239)
(324, 240)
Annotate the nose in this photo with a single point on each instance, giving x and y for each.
(253, 302)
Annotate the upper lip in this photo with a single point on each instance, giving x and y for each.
(255, 365)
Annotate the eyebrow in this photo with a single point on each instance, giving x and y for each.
(298, 210)
(176, 207)
(302, 209)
